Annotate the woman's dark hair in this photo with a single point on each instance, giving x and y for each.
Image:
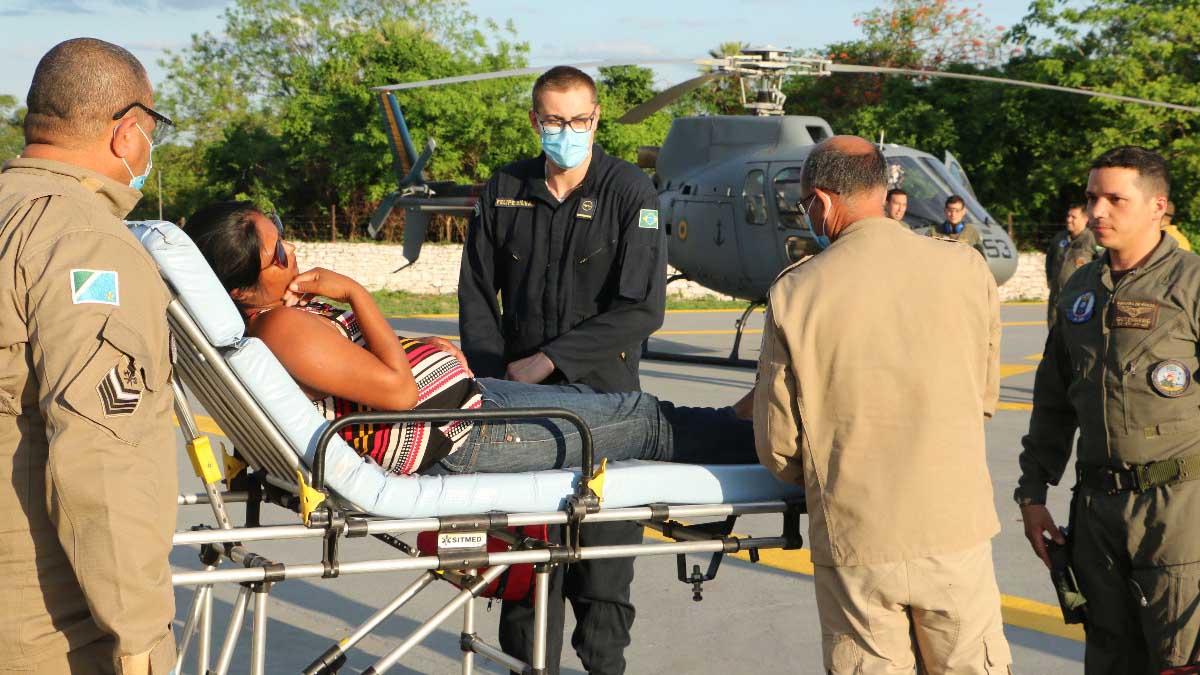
(225, 234)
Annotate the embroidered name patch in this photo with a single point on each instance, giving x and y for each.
(1171, 378)
(1082, 308)
(120, 391)
(514, 203)
(1128, 314)
(95, 287)
(648, 218)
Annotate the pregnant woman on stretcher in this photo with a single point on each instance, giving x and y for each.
(350, 361)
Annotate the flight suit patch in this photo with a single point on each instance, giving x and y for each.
(1080, 262)
(513, 203)
(1128, 314)
(120, 390)
(95, 287)
(648, 219)
(1171, 378)
(1082, 308)
(587, 209)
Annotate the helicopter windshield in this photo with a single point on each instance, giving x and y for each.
(928, 184)
(787, 197)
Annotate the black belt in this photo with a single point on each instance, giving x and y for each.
(1138, 477)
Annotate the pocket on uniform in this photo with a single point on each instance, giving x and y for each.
(997, 654)
(113, 383)
(842, 654)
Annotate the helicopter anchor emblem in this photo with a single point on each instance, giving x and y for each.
(719, 239)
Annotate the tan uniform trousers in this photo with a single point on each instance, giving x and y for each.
(941, 612)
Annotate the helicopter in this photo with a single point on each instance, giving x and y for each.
(728, 185)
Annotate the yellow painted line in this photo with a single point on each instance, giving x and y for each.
(205, 424)
(1023, 323)
(1020, 612)
(1034, 357)
(1011, 369)
(715, 331)
(1013, 405)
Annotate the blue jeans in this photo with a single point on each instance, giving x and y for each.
(631, 425)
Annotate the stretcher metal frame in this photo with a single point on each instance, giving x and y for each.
(265, 468)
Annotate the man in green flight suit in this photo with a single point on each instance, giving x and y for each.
(1119, 367)
(1070, 249)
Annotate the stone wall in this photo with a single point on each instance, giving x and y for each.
(437, 270)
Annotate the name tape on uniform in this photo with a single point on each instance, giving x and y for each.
(648, 219)
(514, 203)
(1129, 314)
(95, 287)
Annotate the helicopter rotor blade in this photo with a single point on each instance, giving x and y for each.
(666, 97)
(849, 68)
(475, 77)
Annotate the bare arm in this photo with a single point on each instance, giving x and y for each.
(325, 361)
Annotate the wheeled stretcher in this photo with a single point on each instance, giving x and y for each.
(285, 453)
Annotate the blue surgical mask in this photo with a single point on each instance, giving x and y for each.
(822, 239)
(136, 182)
(567, 148)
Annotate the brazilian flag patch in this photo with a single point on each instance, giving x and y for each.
(95, 287)
(648, 219)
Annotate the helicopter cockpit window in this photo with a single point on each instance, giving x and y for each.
(755, 196)
(927, 193)
(786, 186)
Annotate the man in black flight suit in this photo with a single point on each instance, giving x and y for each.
(570, 241)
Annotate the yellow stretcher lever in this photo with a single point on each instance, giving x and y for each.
(310, 499)
(233, 466)
(200, 452)
(596, 484)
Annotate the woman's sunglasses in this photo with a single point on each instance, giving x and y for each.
(280, 258)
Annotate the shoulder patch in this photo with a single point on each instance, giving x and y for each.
(1083, 307)
(648, 219)
(95, 287)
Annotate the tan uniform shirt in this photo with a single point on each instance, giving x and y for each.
(87, 447)
(880, 361)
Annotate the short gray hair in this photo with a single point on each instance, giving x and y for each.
(845, 173)
(77, 88)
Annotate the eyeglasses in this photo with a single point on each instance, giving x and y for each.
(555, 126)
(804, 210)
(160, 119)
(280, 258)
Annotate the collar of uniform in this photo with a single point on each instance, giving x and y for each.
(120, 199)
(1166, 246)
(880, 224)
(535, 183)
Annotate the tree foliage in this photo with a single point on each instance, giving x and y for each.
(12, 135)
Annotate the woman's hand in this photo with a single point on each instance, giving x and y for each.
(448, 346)
(322, 282)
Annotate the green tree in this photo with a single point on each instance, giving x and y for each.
(620, 88)
(12, 132)
(278, 106)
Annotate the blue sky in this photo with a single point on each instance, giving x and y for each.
(556, 32)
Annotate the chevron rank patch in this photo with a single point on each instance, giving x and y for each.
(648, 219)
(120, 390)
(95, 287)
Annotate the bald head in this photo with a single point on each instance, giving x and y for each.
(77, 88)
(848, 166)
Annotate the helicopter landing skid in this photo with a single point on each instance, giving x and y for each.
(731, 361)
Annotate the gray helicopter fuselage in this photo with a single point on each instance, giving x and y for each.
(728, 187)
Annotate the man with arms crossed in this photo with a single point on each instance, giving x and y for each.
(879, 365)
(1119, 367)
(570, 240)
(87, 448)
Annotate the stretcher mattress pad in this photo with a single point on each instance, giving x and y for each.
(368, 487)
